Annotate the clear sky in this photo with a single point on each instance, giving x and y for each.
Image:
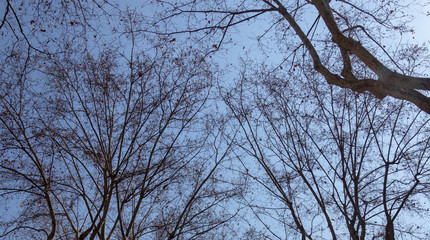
(422, 26)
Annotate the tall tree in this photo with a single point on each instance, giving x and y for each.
(106, 147)
(111, 125)
(340, 165)
(354, 33)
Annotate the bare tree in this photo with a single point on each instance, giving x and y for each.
(107, 133)
(110, 127)
(342, 164)
(342, 37)
(95, 149)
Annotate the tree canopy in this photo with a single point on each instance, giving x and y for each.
(217, 119)
(354, 32)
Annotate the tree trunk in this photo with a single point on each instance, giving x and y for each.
(389, 231)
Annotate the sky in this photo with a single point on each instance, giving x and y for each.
(421, 24)
(244, 46)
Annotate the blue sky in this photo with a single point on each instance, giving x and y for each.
(422, 26)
